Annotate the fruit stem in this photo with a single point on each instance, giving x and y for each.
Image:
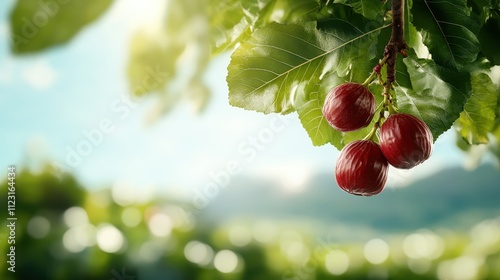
(388, 105)
(371, 134)
(369, 79)
(391, 108)
(377, 124)
(375, 72)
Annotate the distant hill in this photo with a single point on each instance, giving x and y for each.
(454, 198)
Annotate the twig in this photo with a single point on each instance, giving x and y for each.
(397, 43)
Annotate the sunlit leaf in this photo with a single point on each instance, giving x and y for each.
(309, 107)
(151, 64)
(265, 70)
(478, 117)
(227, 24)
(261, 12)
(279, 61)
(256, 10)
(295, 11)
(37, 25)
(495, 147)
(437, 95)
(448, 31)
(232, 21)
(172, 61)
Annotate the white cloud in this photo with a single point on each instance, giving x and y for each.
(292, 177)
(40, 75)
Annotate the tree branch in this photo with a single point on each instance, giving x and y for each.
(397, 43)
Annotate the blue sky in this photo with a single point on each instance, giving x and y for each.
(51, 99)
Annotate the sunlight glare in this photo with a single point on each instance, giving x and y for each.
(109, 238)
(376, 251)
(199, 253)
(226, 261)
(337, 262)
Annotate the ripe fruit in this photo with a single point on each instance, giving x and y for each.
(349, 107)
(405, 140)
(361, 168)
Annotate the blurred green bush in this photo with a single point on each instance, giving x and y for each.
(66, 232)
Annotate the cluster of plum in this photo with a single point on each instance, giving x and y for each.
(362, 167)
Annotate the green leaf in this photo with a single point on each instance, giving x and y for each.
(171, 62)
(233, 21)
(368, 8)
(482, 9)
(261, 12)
(495, 145)
(256, 10)
(478, 117)
(265, 71)
(490, 40)
(402, 76)
(279, 61)
(437, 95)
(227, 24)
(461, 144)
(37, 25)
(309, 107)
(151, 64)
(407, 23)
(448, 31)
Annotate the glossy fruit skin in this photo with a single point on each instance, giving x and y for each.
(361, 168)
(405, 140)
(349, 107)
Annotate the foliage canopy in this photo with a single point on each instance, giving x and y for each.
(287, 55)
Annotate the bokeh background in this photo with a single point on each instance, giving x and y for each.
(130, 164)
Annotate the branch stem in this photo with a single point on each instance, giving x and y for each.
(397, 43)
